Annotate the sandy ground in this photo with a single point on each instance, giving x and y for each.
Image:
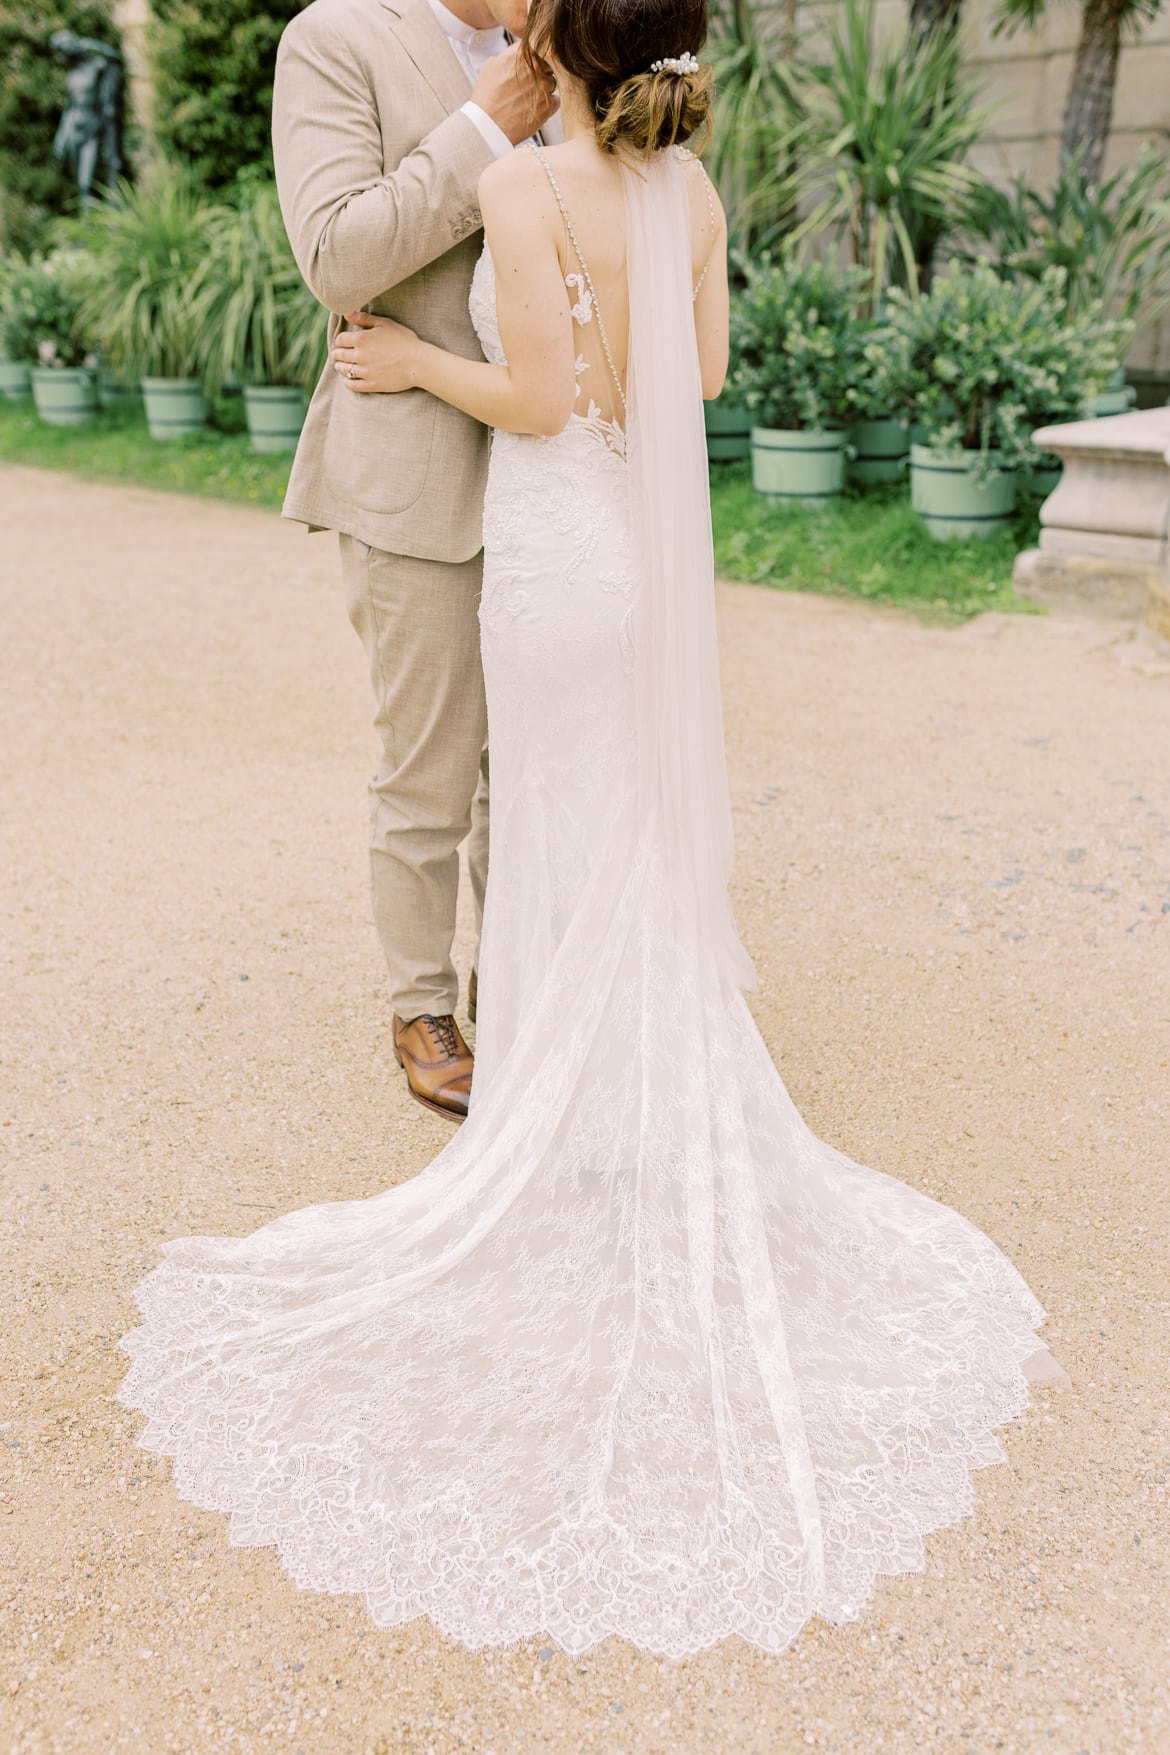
(954, 873)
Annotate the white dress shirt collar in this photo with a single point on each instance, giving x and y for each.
(459, 31)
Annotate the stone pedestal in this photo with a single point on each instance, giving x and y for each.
(1103, 542)
(1157, 610)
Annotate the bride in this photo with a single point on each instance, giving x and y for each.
(637, 1354)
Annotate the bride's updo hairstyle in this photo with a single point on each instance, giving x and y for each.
(610, 47)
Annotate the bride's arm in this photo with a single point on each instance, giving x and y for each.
(712, 307)
(535, 391)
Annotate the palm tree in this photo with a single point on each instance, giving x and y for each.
(1088, 114)
(929, 18)
(750, 61)
(1111, 240)
(880, 144)
(928, 15)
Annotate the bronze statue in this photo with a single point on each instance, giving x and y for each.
(91, 126)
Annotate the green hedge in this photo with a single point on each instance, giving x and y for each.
(213, 62)
(34, 186)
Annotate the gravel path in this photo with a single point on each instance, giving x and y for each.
(954, 872)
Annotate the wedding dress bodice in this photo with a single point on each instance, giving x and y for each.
(556, 509)
(484, 317)
(482, 305)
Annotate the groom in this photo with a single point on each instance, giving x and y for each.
(385, 112)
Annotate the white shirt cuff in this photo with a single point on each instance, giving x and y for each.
(493, 134)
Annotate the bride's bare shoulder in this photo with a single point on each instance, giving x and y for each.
(518, 206)
(512, 177)
(698, 176)
(708, 220)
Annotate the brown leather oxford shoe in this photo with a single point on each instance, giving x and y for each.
(437, 1062)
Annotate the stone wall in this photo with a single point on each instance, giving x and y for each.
(1028, 75)
(1026, 78)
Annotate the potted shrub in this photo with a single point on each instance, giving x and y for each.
(1074, 363)
(150, 250)
(1117, 397)
(728, 423)
(1111, 236)
(793, 341)
(974, 362)
(729, 429)
(116, 390)
(44, 331)
(727, 420)
(879, 441)
(259, 325)
(14, 382)
(878, 447)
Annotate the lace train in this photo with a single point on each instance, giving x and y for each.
(684, 1371)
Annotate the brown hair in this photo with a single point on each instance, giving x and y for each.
(610, 46)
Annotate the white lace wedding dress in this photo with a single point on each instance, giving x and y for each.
(637, 1354)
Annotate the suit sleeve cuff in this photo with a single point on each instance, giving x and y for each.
(492, 133)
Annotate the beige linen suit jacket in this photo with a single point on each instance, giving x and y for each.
(377, 171)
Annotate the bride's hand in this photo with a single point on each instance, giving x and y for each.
(375, 353)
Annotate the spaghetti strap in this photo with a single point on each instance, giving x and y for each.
(714, 224)
(588, 278)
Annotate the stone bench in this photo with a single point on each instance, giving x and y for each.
(1104, 529)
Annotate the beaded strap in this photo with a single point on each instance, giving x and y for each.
(714, 222)
(584, 268)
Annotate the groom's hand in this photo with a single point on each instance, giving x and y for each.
(517, 100)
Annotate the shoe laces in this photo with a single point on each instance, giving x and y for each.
(443, 1031)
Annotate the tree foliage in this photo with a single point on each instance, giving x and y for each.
(213, 64)
(1111, 239)
(148, 250)
(753, 116)
(880, 143)
(928, 15)
(42, 320)
(984, 359)
(868, 139)
(34, 186)
(794, 343)
(1088, 114)
(258, 323)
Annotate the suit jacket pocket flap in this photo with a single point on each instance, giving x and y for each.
(378, 447)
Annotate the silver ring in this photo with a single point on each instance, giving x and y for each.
(350, 372)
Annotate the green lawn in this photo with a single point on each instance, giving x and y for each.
(117, 447)
(867, 545)
(864, 545)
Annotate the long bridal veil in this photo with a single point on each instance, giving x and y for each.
(682, 772)
(637, 1354)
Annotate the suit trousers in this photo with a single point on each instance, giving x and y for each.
(419, 623)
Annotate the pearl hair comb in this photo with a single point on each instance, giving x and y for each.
(676, 64)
